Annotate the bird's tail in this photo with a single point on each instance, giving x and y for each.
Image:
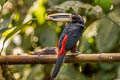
(58, 65)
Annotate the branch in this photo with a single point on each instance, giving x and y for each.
(51, 58)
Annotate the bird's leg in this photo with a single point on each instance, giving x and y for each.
(78, 47)
(75, 51)
(78, 52)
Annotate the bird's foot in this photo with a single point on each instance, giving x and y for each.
(77, 53)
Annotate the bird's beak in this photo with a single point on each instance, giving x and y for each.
(61, 17)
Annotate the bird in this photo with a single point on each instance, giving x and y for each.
(69, 37)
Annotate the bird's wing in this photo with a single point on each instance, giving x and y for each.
(74, 34)
(72, 40)
(62, 37)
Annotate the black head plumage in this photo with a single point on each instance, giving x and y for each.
(78, 19)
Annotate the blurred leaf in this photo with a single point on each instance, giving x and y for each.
(35, 72)
(39, 12)
(87, 37)
(108, 67)
(69, 72)
(90, 40)
(108, 32)
(105, 75)
(46, 36)
(4, 29)
(116, 3)
(40, 72)
(9, 30)
(5, 24)
(115, 16)
(41, 2)
(71, 7)
(95, 12)
(2, 2)
(14, 31)
(54, 2)
(108, 35)
(105, 4)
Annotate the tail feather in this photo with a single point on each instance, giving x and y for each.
(58, 65)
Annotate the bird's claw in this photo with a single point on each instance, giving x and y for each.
(77, 53)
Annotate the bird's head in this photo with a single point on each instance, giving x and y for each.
(66, 17)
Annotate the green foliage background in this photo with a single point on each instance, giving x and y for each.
(23, 29)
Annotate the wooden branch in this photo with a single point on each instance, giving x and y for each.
(50, 59)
